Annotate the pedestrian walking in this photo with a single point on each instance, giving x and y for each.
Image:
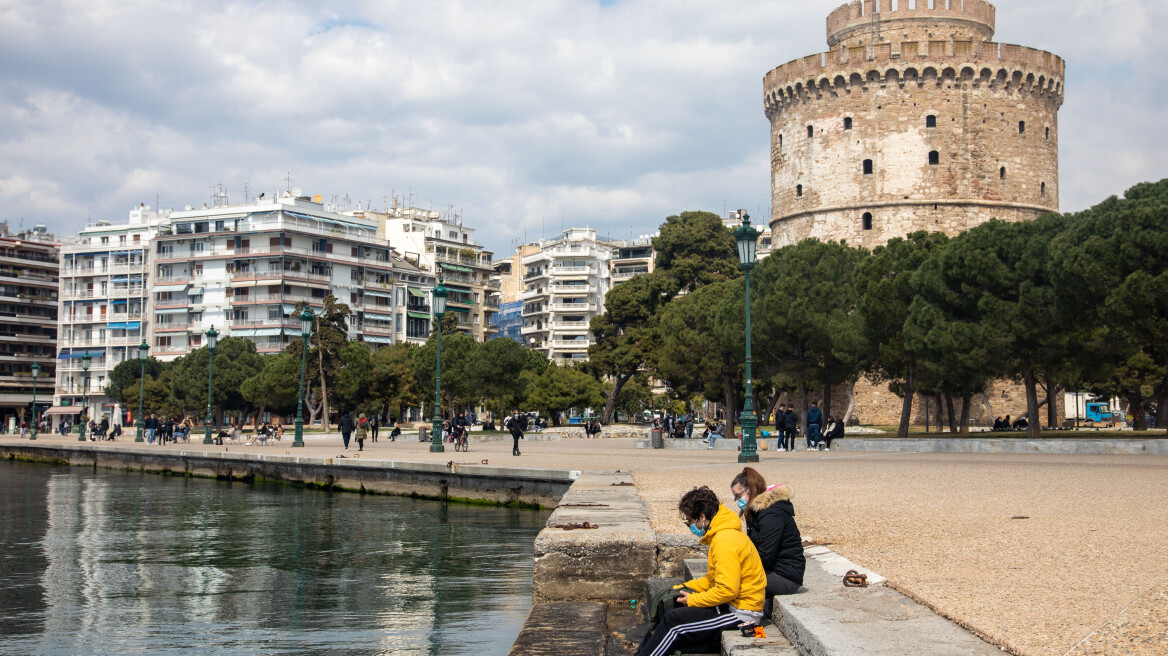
(790, 427)
(362, 431)
(23, 428)
(373, 426)
(781, 426)
(516, 424)
(151, 428)
(814, 422)
(346, 426)
(689, 424)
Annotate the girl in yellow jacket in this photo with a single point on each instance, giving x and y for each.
(732, 591)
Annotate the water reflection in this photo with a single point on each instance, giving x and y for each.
(125, 563)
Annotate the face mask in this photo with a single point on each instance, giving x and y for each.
(700, 532)
(742, 500)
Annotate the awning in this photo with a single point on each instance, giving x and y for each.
(64, 410)
(457, 288)
(344, 224)
(287, 309)
(63, 355)
(378, 314)
(119, 302)
(171, 311)
(122, 279)
(457, 309)
(195, 290)
(243, 332)
(80, 354)
(172, 287)
(378, 339)
(418, 315)
(268, 332)
(370, 292)
(455, 267)
(416, 292)
(125, 325)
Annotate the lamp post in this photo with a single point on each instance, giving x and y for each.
(143, 348)
(747, 238)
(439, 309)
(36, 371)
(212, 338)
(85, 397)
(306, 319)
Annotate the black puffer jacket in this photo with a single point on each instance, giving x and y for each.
(773, 531)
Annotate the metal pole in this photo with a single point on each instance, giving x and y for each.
(299, 439)
(34, 413)
(84, 407)
(926, 415)
(141, 423)
(748, 420)
(210, 377)
(436, 437)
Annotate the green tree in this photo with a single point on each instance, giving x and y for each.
(635, 396)
(625, 335)
(496, 370)
(458, 353)
(330, 334)
(884, 294)
(236, 360)
(125, 375)
(393, 383)
(350, 388)
(694, 249)
(561, 388)
(275, 387)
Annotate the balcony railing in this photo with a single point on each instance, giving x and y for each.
(168, 350)
(118, 316)
(172, 326)
(573, 344)
(568, 325)
(573, 307)
(125, 292)
(134, 267)
(533, 312)
(571, 270)
(475, 261)
(570, 289)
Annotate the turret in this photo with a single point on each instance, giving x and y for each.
(869, 22)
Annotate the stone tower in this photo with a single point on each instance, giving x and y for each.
(914, 120)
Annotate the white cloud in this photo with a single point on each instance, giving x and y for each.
(516, 112)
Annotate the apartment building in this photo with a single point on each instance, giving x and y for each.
(243, 268)
(104, 298)
(733, 220)
(29, 264)
(442, 245)
(632, 258)
(564, 287)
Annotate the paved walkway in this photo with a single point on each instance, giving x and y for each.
(1085, 573)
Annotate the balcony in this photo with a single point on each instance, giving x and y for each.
(132, 267)
(534, 312)
(170, 349)
(579, 326)
(173, 302)
(242, 324)
(117, 316)
(242, 299)
(172, 326)
(575, 290)
(573, 307)
(571, 271)
(126, 292)
(570, 344)
(481, 262)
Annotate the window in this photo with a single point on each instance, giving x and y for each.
(798, 191)
(848, 123)
(1048, 133)
(781, 140)
(867, 218)
(930, 121)
(934, 157)
(1042, 189)
(867, 167)
(1021, 127)
(1002, 173)
(810, 132)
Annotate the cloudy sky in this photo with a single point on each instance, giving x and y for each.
(523, 115)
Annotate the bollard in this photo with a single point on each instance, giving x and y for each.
(657, 438)
(423, 435)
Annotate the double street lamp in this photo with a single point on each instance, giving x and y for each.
(36, 371)
(143, 348)
(440, 293)
(306, 319)
(212, 339)
(85, 358)
(747, 238)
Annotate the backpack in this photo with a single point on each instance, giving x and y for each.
(663, 602)
(363, 422)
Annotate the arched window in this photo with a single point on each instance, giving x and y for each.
(1002, 173)
(1021, 127)
(810, 132)
(867, 218)
(867, 167)
(934, 157)
(798, 191)
(930, 121)
(848, 123)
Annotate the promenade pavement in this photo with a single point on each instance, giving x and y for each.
(1055, 555)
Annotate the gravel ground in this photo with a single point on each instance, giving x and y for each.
(1086, 573)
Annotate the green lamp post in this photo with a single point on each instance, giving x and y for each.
(747, 238)
(306, 319)
(212, 339)
(85, 358)
(440, 293)
(143, 348)
(36, 371)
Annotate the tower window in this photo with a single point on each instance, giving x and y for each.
(1021, 127)
(934, 157)
(1002, 173)
(848, 123)
(810, 132)
(1042, 189)
(867, 167)
(1048, 133)
(867, 218)
(798, 191)
(930, 121)
(780, 141)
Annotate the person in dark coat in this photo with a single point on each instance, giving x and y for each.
(373, 426)
(835, 430)
(770, 525)
(346, 426)
(814, 422)
(517, 423)
(362, 431)
(460, 427)
(791, 427)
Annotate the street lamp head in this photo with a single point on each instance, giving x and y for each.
(747, 237)
(306, 319)
(143, 349)
(36, 370)
(212, 338)
(85, 358)
(440, 293)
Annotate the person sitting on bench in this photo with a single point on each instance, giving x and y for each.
(835, 430)
(731, 593)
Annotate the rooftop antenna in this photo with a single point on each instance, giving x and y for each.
(246, 195)
(288, 181)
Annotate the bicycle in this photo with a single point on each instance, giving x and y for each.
(462, 441)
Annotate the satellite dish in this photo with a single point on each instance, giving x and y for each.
(317, 198)
(296, 192)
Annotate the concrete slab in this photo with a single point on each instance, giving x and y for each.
(563, 629)
(985, 444)
(691, 444)
(775, 644)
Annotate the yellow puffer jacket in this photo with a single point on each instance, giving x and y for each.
(735, 575)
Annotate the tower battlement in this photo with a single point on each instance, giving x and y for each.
(866, 22)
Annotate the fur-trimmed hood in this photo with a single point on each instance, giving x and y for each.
(772, 496)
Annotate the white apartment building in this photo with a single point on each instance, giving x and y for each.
(632, 258)
(447, 248)
(564, 287)
(104, 297)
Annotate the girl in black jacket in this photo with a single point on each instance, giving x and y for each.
(770, 524)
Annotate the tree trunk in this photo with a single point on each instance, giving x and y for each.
(909, 391)
(826, 401)
(258, 414)
(324, 419)
(966, 399)
(1034, 430)
(802, 405)
(618, 383)
(313, 408)
(950, 415)
(1053, 390)
(502, 410)
(774, 404)
(851, 392)
(731, 406)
